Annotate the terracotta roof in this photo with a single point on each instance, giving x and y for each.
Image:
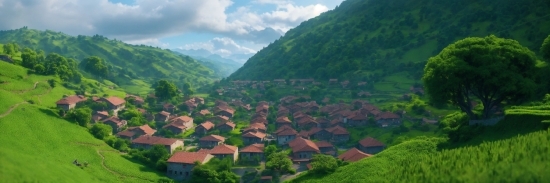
(207, 125)
(187, 157)
(223, 149)
(216, 138)
(144, 128)
(184, 119)
(115, 120)
(256, 135)
(125, 133)
(266, 178)
(115, 100)
(164, 113)
(176, 125)
(283, 119)
(387, 115)
(204, 112)
(323, 144)
(71, 100)
(300, 144)
(254, 148)
(370, 142)
(353, 155)
(229, 123)
(152, 140)
(338, 130)
(286, 130)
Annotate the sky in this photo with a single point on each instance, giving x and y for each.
(230, 28)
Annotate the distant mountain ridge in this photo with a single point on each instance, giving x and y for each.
(223, 66)
(373, 40)
(130, 62)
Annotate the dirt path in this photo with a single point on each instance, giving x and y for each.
(106, 168)
(11, 109)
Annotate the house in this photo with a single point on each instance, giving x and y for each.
(100, 116)
(307, 123)
(219, 119)
(226, 127)
(181, 164)
(303, 149)
(169, 107)
(136, 100)
(115, 123)
(203, 112)
(326, 148)
(183, 120)
(114, 103)
(353, 155)
(255, 127)
(70, 102)
(134, 132)
(282, 121)
(227, 112)
(356, 119)
(370, 145)
(253, 137)
(222, 151)
(386, 119)
(147, 142)
(285, 134)
(210, 141)
(339, 134)
(429, 121)
(199, 100)
(162, 116)
(203, 128)
(252, 152)
(323, 122)
(175, 128)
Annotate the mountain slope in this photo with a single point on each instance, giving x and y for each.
(222, 67)
(38, 146)
(370, 40)
(129, 62)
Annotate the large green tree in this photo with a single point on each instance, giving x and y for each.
(490, 69)
(100, 130)
(95, 66)
(280, 163)
(324, 164)
(165, 90)
(545, 48)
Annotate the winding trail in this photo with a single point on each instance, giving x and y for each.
(11, 109)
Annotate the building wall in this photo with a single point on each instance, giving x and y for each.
(282, 140)
(66, 107)
(208, 144)
(179, 171)
(178, 143)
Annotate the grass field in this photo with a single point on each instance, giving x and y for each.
(39, 146)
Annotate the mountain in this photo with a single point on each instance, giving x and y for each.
(376, 39)
(131, 62)
(223, 67)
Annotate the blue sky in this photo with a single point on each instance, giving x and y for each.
(224, 27)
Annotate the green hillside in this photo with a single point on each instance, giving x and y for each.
(372, 40)
(38, 146)
(508, 152)
(130, 64)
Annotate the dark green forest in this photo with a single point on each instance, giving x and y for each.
(123, 61)
(370, 40)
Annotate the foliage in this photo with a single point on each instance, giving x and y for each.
(218, 171)
(323, 164)
(368, 40)
(453, 75)
(95, 66)
(101, 131)
(545, 48)
(269, 150)
(155, 156)
(82, 116)
(280, 162)
(165, 90)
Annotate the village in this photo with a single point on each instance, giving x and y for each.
(295, 123)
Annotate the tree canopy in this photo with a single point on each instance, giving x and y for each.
(95, 66)
(165, 90)
(100, 130)
(279, 162)
(323, 164)
(491, 69)
(545, 48)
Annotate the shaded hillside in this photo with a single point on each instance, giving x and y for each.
(221, 66)
(128, 62)
(371, 40)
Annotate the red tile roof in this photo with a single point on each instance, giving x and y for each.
(300, 144)
(146, 129)
(286, 130)
(323, 144)
(387, 115)
(216, 138)
(152, 140)
(71, 100)
(353, 155)
(207, 125)
(338, 130)
(224, 149)
(204, 112)
(184, 119)
(229, 123)
(370, 142)
(283, 119)
(164, 113)
(125, 133)
(254, 148)
(175, 125)
(255, 134)
(188, 157)
(115, 100)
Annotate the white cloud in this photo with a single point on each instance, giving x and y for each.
(288, 16)
(222, 46)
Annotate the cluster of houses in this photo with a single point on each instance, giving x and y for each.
(298, 125)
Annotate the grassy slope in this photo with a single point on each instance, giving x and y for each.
(508, 152)
(39, 146)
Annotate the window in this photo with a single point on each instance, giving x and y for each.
(181, 173)
(186, 173)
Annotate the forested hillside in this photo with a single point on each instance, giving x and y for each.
(221, 66)
(127, 63)
(371, 40)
